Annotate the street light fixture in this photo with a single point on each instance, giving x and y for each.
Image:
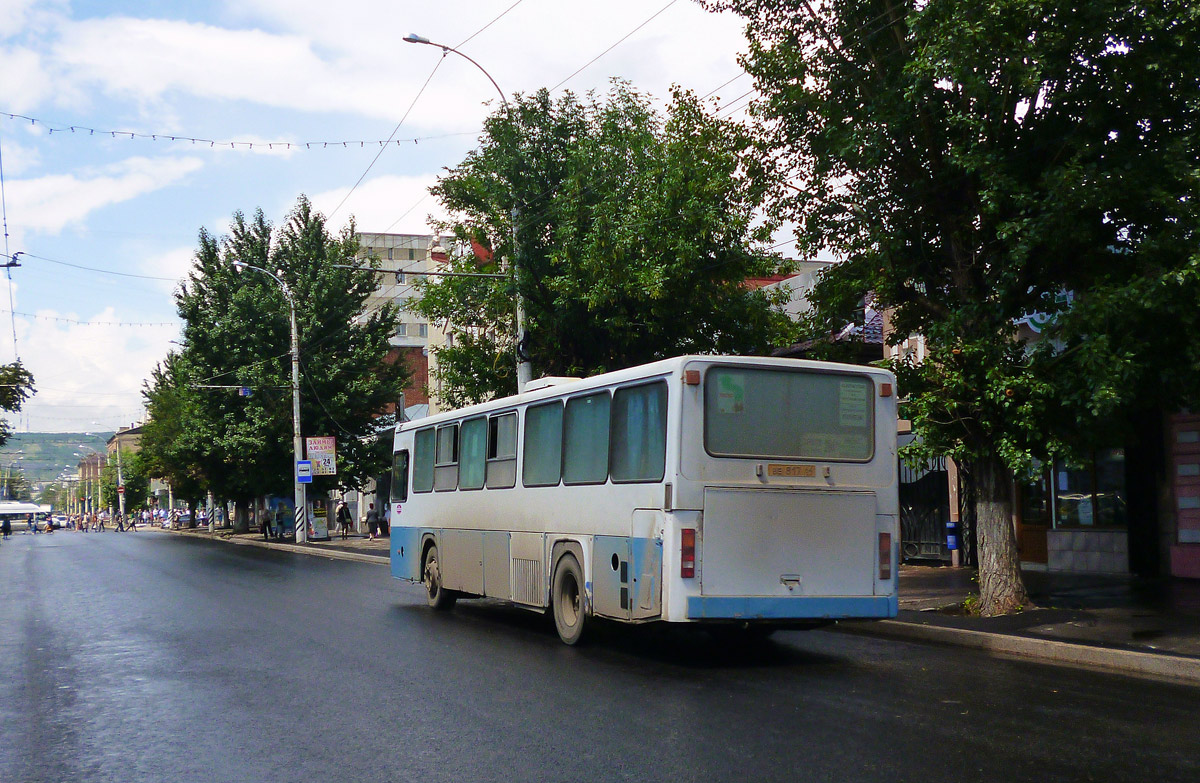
(297, 444)
(524, 367)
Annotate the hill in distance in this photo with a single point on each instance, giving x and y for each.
(42, 456)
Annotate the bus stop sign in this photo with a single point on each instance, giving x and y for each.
(304, 471)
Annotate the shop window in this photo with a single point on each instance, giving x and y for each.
(1092, 493)
(1035, 497)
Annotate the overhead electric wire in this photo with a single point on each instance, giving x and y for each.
(98, 269)
(64, 319)
(215, 144)
(489, 24)
(585, 66)
(394, 132)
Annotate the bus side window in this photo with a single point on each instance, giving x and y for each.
(423, 460)
(472, 453)
(585, 439)
(639, 433)
(445, 470)
(543, 445)
(400, 477)
(502, 451)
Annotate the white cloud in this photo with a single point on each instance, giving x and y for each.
(354, 62)
(380, 204)
(88, 375)
(26, 80)
(174, 264)
(19, 158)
(19, 16)
(49, 204)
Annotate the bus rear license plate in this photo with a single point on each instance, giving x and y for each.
(792, 471)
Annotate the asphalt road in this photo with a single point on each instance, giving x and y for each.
(152, 657)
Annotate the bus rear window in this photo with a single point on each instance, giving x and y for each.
(789, 414)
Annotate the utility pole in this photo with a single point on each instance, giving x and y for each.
(120, 482)
(301, 524)
(524, 366)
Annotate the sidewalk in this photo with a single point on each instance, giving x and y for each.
(357, 547)
(1116, 622)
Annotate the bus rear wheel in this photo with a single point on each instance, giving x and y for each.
(567, 596)
(436, 595)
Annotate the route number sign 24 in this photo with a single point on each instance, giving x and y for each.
(322, 452)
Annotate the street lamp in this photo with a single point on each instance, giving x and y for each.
(297, 444)
(524, 368)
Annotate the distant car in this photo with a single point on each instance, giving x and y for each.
(58, 521)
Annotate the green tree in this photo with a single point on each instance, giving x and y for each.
(237, 335)
(972, 163)
(132, 474)
(16, 386)
(635, 231)
(170, 449)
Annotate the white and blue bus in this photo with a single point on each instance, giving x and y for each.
(746, 492)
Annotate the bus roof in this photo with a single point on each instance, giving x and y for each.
(652, 370)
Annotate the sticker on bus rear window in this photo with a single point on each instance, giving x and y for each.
(731, 393)
(852, 403)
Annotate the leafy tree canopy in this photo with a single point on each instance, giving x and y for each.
(635, 235)
(237, 335)
(16, 386)
(131, 472)
(975, 163)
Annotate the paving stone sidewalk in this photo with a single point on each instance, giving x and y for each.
(1160, 616)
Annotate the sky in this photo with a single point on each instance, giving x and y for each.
(266, 100)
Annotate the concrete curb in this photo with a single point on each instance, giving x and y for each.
(332, 554)
(1170, 667)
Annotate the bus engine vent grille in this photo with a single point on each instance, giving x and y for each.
(527, 581)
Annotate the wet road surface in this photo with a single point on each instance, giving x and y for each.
(152, 657)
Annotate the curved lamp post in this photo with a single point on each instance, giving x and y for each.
(524, 368)
(301, 524)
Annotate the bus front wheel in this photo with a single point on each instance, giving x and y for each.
(567, 593)
(431, 576)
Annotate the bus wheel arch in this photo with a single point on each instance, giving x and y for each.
(436, 594)
(569, 603)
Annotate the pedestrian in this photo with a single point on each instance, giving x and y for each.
(6, 527)
(100, 518)
(373, 521)
(31, 524)
(343, 519)
(120, 518)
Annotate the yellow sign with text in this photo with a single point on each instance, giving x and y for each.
(792, 471)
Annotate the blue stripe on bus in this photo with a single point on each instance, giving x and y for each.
(407, 565)
(700, 607)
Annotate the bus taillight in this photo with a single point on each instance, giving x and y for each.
(885, 556)
(687, 553)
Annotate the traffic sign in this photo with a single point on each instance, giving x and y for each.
(121, 490)
(304, 471)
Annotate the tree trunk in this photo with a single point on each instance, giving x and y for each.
(1001, 589)
(241, 518)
